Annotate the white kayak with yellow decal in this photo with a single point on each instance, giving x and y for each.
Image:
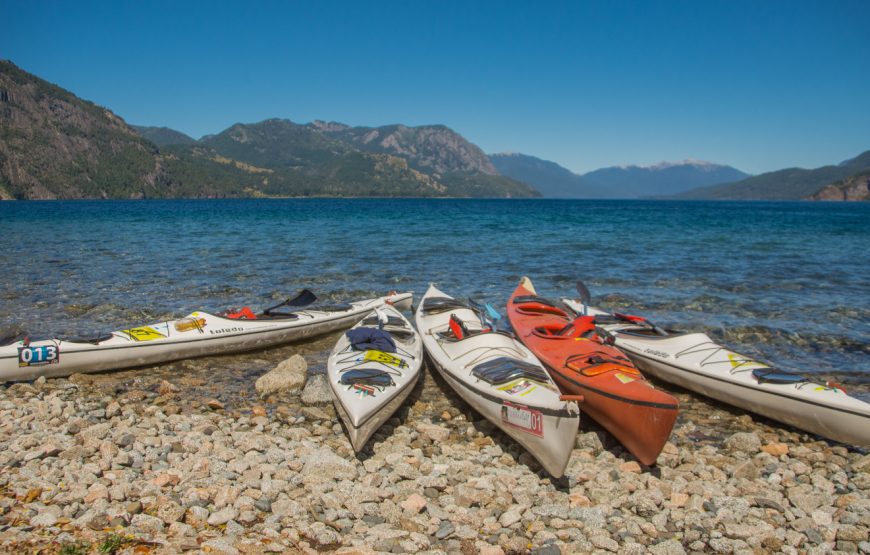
(372, 370)
(696, 362)
(501, 379)
(198, 334)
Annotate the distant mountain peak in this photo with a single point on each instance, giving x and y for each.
(629, 181)
(702, 165)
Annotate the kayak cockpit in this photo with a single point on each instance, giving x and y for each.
(91, 340)
(534, 305)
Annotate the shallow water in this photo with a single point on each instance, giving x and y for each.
(786, 282)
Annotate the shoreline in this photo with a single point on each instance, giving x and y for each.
(156, 466)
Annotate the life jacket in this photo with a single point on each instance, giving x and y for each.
(244, 314)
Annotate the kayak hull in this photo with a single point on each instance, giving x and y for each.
(530, 413)
(825, 411)
(163, 342)
(362, 414)
(696, 362)
(360, 434)
(615, 394)
(643, 425)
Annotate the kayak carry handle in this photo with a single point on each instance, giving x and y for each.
(578, 398)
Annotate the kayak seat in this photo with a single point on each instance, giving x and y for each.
(448, 335)
(550, 331)
(437, 305)
(403, 334)
(774, 376)
(393, 321)
(457, 330)
(367, 376)
(278, 315)
(92, 340)
(532, 305)
(521, 299)
(504, 369)
(337, 307)
(582, 326)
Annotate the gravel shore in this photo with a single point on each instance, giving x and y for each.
(141, 461)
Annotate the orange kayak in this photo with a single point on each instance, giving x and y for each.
(613, 390)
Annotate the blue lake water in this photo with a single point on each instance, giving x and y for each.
(786, 282)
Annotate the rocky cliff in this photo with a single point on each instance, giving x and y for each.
(854, 188)
(430, 148)
(55, 145)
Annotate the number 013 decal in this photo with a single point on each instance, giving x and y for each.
(38, 356)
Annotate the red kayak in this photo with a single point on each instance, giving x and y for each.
(613, 391)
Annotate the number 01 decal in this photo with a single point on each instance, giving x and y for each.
(38, 356)
(522, 417)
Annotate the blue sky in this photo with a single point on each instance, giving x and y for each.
(760, 85)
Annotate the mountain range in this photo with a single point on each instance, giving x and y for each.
(662, 179)
(56, 145)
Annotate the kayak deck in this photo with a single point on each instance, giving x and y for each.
(368, 385)
(197, 334)
(615, 393)
(495, 374)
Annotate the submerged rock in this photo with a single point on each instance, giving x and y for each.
(289, 375)
(316, 391)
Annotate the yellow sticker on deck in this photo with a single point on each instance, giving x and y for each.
(145, 333)
(623, 378)
(385, 358)
(519, 387)
(738, 361)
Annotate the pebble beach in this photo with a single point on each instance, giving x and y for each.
(159, 461)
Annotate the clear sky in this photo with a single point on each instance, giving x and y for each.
(759, 84)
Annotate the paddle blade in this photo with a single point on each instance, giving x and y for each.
(583, 291)
(304, 298)
(494, 314)
(478, 308)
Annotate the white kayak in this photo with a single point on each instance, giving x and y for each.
(499, 378)
(369, 381)
(197, 334)
(696, 362)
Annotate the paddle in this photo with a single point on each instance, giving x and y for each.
(586, 299)
(480, 311)
(489, 316)
(304, 298)
(493, 314)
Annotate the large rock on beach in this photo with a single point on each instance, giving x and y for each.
(326, 464)
(748, 442)
(289, 375)
(316, 391)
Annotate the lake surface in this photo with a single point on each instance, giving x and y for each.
(786, 282)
